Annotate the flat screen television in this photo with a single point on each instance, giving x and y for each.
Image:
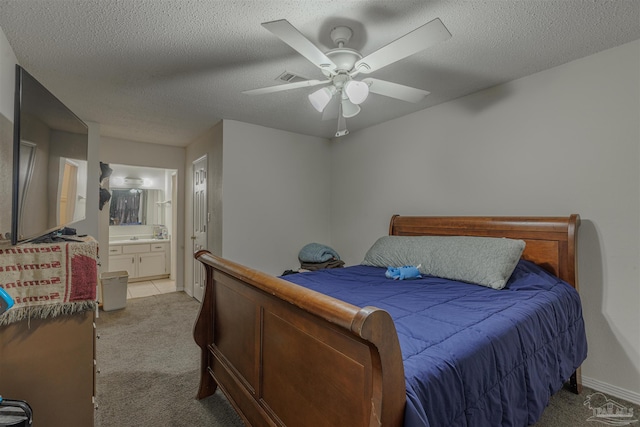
(50, 145)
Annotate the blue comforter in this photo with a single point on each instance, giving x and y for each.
(473, 356)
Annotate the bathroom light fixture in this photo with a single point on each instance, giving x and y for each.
(133, 181)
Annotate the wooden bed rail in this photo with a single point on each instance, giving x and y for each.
(285, 344)
(331, 309)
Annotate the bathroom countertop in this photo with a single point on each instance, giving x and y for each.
(137, 241)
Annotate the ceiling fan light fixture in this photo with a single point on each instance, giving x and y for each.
(320, 98)
(357, 91)
(349, 109)
(342, 64)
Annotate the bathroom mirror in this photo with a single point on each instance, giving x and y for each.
(136, 206)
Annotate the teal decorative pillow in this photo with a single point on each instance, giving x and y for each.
(486, 261)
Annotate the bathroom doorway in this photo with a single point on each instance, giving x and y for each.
(142, 228)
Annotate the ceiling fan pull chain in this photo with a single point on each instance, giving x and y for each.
(342, 124)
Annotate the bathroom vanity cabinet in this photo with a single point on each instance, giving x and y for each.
(142, 260)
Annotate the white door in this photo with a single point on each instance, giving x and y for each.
(200, 219)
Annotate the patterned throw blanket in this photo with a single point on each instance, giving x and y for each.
(48, 280)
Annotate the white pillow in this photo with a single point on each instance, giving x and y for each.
(486, 261)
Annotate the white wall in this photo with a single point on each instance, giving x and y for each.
(7, 82)
(562, 141)
(8, 63)
(6, 172)
(276, 197)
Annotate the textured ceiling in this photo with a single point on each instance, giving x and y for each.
(166, 71)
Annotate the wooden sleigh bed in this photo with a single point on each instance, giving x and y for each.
(285, 355)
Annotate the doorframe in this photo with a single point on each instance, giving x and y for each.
(174, 227)
(204, 161)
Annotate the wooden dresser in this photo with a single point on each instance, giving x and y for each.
(47, 350)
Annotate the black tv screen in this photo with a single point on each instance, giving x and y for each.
(50, 145)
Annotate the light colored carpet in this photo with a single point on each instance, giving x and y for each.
(149, 367)
(149, 372)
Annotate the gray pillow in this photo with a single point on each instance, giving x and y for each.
(486, 261)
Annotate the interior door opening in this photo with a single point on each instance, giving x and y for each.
(144, 241)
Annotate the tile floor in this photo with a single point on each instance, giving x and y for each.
(150, 287)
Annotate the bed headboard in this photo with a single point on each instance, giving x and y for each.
(551, 242)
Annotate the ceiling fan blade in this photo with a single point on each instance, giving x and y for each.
(288, 86)
(395, 90)
(294, 38)
(419, 39)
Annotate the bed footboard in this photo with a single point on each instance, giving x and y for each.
(288, 356)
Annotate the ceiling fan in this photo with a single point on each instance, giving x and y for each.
(341, 64)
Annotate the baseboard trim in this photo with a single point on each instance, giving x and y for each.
(628, 395)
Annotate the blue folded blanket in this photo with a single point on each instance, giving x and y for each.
(315, 252)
